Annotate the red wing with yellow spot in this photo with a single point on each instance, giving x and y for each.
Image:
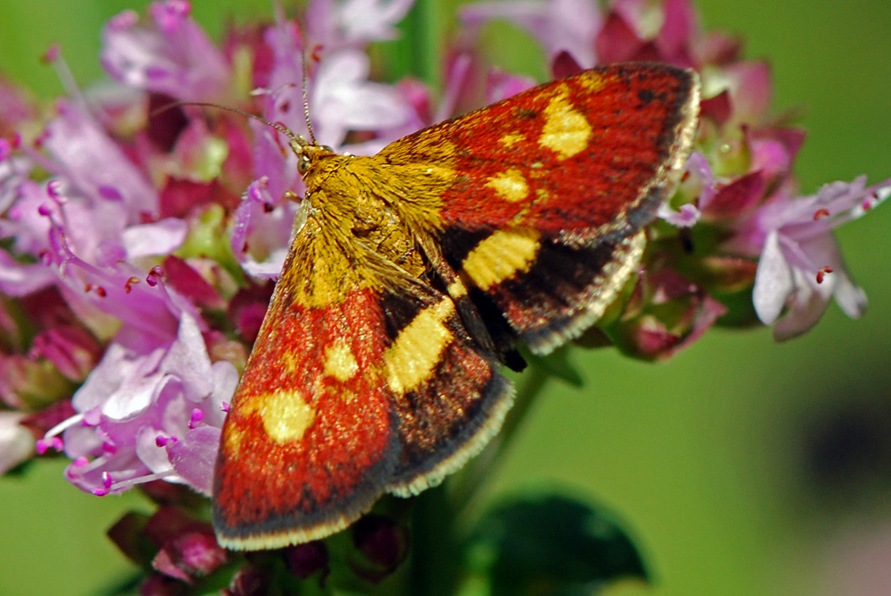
(550, 189)
(582, 155)
(304, 448)
(381, 390)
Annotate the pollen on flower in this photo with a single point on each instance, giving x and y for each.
(54, 190)
(154, 276)
(128, 285)
(197, 416)
(98, 290)
(163, 440)
(106, 485)
(821, 213)
(821, 274)
(44, 445)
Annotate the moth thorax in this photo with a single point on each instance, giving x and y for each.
(379, 228)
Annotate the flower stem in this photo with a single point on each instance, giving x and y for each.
(439, 517)
(436, 556)
(466, 488)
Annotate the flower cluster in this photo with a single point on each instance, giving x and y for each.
(138, 244)
(738, 223)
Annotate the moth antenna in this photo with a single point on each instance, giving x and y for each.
(294, 138)
(312, 136)
(280, 19)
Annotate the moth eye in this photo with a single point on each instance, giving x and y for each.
(303, 164)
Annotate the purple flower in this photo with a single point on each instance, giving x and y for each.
(152, 406)
(800, 266)
(562, 25)
(342, 97)
(175, 57)
(191, 554)
(148, 412)
(346, 100)
(334, 24)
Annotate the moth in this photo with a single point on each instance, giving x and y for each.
(414, 275)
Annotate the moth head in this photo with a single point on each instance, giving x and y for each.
(306, 152)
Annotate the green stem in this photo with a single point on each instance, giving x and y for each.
(435, 556)
(466, 488)
(438, 518)
(418, 53)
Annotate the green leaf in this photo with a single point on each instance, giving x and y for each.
(558, 364)
(551, 544)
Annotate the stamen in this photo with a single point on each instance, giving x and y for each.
(54, 190)
(44, 445)
(164, 440)
(63, 426)
(197, 416)
(106, 485)
(154, 276)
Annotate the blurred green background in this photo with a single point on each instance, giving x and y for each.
(741, 466)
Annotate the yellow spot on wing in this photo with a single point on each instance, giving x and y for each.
(591, 82)
(566, 132)
(509, 140)
(413, 357)
(501, 256)
(340, 362)
(234, 439)
(286, 416)
(510, 185)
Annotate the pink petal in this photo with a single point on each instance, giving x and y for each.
(195, 456)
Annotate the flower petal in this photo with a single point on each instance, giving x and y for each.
(195, 456)
(773, 281)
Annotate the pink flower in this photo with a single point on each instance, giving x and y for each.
(800, 266)
(147, 412)
(334, 24)
(562, 25)
(175, 57)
